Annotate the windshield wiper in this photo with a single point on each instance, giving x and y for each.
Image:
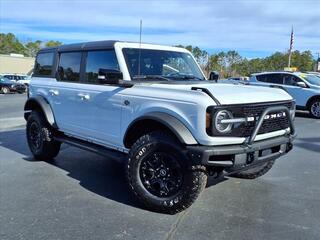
(157, 77)
(185, 76)
(193, 77)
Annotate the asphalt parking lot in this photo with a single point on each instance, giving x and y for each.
(80, 195)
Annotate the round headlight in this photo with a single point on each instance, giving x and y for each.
(220, 125)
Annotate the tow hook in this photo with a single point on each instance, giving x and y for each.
(250, 157)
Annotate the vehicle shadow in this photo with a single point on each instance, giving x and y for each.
(303, 114)
(94, 173)
(311, 143)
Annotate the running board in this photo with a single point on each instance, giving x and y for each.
(92, 147)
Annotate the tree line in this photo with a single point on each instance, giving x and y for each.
(9, 43)
(227, 63)
(231, 63)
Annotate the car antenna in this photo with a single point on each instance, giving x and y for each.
(139, 59)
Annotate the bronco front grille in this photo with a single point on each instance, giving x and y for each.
(253, 110)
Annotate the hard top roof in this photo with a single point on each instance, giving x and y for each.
(275, 72)
(97, 45)
(82, 46)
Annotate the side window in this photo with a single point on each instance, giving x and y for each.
(69, 66)
(43, 65)
(271, 78)
(96, 60)
(275, 78)
(291, 80)
(9, 77)
(288, 79)
(262, 78)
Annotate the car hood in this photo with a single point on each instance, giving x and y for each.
(7, 82)
(315, 87)
(235, 93)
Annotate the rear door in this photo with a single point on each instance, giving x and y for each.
(63, 94)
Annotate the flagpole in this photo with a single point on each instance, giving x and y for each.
(290, 48)
(289, 62)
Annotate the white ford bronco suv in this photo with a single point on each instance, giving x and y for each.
(152, 107)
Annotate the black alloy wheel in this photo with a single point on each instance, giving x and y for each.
(161, 174)
(35, 136)
(39, 136)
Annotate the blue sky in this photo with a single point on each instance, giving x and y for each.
(254, 28)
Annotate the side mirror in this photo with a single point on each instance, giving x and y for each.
(109, 76)
(301, 84)
(214, 76)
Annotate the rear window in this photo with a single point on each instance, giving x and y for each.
(44, 63)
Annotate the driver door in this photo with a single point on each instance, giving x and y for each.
(298, 93)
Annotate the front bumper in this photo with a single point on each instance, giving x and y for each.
(239, 156)
(249, 154)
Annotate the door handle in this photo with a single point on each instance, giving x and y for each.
(84, 96)
(54, 92)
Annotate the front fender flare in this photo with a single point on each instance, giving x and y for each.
(176, 126)
(39, 102)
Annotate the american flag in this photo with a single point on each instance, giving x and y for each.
(291, 40)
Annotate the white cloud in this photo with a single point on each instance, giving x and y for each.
(241, 25)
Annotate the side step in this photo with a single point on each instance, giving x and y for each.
(92, 147)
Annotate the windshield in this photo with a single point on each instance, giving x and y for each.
(161, 65)
(311, 78)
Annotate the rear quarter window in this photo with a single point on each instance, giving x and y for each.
(44, 63)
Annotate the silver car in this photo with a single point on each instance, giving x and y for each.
(303, 87)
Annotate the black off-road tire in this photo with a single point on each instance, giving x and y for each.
(46, 148)
(194, 177)
(255, 172)
(314, 108)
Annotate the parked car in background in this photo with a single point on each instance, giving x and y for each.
(12, 77)
(25, 80)
(19, 78)
(235, 80)
(7, 86)
(239, 78)
(303, 87)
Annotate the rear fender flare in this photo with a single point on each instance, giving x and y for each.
(40, 103)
